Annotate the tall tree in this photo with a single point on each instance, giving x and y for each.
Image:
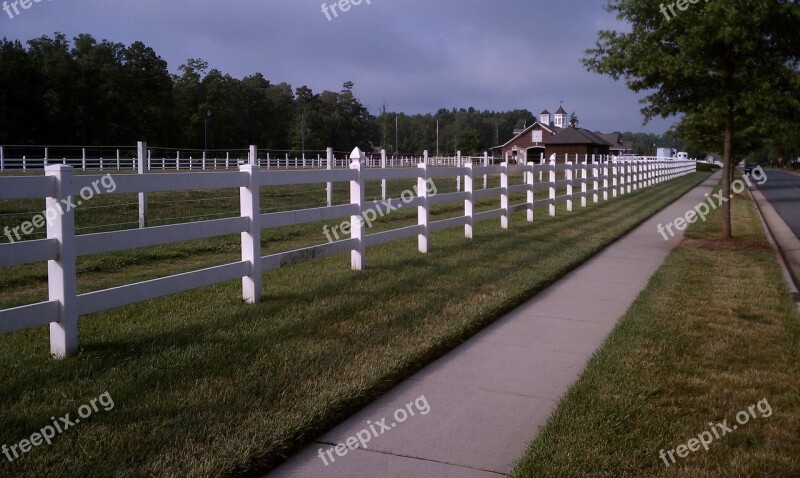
(731, 58)
(191, 102)
(51, 58)
(148, 89)
(573, 120)
(22, 96)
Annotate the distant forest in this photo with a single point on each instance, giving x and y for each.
(54, 91)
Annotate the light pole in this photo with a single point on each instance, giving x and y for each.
(303, 133)
(437, 138)
(205, 129)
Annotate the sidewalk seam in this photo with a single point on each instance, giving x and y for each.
(421, 459)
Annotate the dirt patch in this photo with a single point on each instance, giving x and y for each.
(717, 243)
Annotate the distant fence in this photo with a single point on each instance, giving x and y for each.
(594, 182)
(126, 158)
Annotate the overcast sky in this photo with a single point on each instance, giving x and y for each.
(414, 55)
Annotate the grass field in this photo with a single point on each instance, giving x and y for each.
(715, 332)
(205, 385)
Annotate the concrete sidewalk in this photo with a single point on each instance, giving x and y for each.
(488, 397)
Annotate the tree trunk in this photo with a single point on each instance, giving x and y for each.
(727, 175)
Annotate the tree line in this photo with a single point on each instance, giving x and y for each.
(56, 91)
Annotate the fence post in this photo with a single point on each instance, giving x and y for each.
(653, 173)
(584, 169)
(383, 181)
(628, 177)
(61, 272)
(329, 167)
(486, 164)
(531, 193)
(650, 173)
(570, 175)
(623, 177)
(458, 177)
(357, 230)
(250, 203)
(2, 160)
(469, 202)
(640, 174)
(504, 196)
(141, 149)
(639, 168)
(596, 182)
(552, 196)
(614, 178)
(605, 181)
(423, 211)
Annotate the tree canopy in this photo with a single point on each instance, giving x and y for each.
(729, 66)
(84, 92)
(54, 91)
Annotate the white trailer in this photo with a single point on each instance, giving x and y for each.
(666, 153)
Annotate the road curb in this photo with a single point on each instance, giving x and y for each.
(787, 243)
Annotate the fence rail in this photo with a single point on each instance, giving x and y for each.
(36, 158)
(596, 181)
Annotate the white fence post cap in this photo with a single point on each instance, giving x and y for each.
(357, 155)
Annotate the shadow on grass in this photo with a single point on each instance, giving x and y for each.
(208, 385)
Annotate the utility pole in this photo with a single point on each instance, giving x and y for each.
(303, 132)
(205, 129)
(437, 138)
(396, 134)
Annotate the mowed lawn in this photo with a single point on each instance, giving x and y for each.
(205, 385)
(715, 333)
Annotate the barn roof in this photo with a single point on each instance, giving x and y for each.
(577, 136)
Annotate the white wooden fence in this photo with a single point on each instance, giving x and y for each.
(583, 181)
(124, 159)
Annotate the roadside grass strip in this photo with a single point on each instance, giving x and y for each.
(704, 369)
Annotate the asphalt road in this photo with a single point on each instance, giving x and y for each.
(782, 190)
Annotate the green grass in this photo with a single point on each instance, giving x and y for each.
(715, 331)
(205, 385)
(707, 167)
